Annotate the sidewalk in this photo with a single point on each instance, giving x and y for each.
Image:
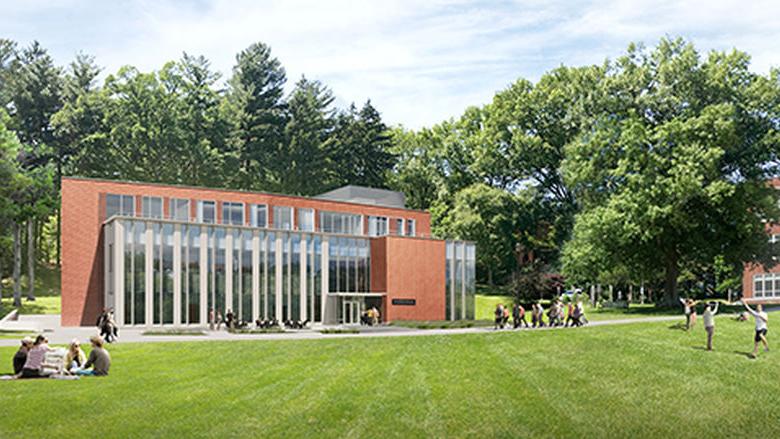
(57, 334)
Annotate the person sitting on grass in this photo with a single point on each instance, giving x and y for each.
(20, 357)
(709, 321)
(761, 328)
(75, 358)
(33, 367)
(99, 359)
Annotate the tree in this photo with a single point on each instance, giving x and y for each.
(673, 171)
(362, 151)
(487, 216)
(308, 140)
(255, 95)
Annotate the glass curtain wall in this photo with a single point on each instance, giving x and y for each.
(460, 280)
(151, 246)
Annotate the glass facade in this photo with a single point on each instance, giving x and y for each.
(176, 273)
(460, 280)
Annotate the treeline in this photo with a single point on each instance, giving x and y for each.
(650, 169)
(181, 124)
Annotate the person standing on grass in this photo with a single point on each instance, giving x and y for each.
(540, 314)
(761, 328)
(709, 321)
(518, 316)
(499, 315)
(689, 307)
(99, 359)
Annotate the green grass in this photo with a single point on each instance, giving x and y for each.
(41, 305)
(637, 380)
(441, 324)
(17, 335)
(174, 331)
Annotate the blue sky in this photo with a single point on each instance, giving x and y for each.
(420, 62)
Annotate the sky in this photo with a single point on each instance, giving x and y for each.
(420, 62)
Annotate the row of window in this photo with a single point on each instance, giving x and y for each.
(766, 285)
(284, 217)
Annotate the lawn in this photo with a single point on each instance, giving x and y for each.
(41, 305)
(636, 380)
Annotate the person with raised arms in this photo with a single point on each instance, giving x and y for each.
(761, 327)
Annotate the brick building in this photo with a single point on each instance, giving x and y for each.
(168, 255)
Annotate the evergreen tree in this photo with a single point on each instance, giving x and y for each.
(308, 139)
(256, 92)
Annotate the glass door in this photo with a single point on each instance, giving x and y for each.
(350, 312)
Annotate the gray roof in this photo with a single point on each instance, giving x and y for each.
(366, 195)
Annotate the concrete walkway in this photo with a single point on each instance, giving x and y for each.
(49, 325)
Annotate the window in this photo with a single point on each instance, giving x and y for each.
(179, 209)
(306, 220)
(399, 226)
(766, 285)
(207, 212)
(410, 227)
(233, 213)
(377, 226)
(283, 217)
(123, 205)
(152, 207)
(259, 215)
(344, 223)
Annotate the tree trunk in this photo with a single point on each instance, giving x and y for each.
(490, 277)
(17, 264)
(670, 281)
(31, 259)
(611, 295)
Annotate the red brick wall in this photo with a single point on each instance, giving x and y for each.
(83, 213)
(413, 269)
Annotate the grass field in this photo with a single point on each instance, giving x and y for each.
(41, 305)
(638, 380)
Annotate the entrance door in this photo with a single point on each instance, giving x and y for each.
(350, 312)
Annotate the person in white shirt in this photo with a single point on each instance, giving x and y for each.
(690, 313)
(709, 321)
(761, 327)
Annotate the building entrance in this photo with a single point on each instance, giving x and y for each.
(350, 311)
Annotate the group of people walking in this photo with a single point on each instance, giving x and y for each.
(711, 308)
(572, 314)
(30, 361)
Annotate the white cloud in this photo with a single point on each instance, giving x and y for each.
(419, 62)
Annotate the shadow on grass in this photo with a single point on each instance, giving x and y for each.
(748, 355)
(679, 326)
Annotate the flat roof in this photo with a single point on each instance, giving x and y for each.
(184, 186)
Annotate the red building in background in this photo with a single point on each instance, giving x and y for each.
(169, 255)
(759, 283)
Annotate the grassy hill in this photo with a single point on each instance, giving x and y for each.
(638, 380)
